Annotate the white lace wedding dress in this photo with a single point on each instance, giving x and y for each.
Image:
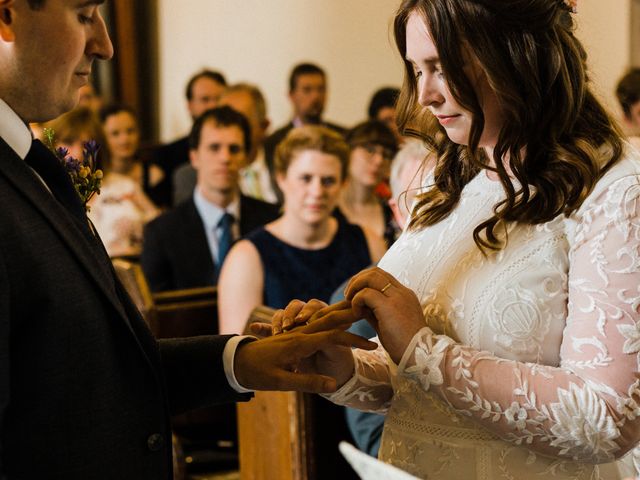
(527, 367)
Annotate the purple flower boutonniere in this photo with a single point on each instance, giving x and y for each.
(85, 175)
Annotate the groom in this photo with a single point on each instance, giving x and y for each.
(85, 390)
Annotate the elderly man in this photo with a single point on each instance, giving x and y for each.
(86, 392)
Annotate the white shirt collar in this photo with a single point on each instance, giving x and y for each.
(212, 213)
(14, 131)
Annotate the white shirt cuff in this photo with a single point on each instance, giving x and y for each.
(228, 357)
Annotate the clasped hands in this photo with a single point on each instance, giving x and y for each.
(307, 347)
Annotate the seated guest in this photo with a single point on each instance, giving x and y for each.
(373, 146)
(274, 264)
(185, 247)
(409, 165)
(306, 253)
(202, 93)
(308, 95)
(122, 132)
(121, 210)
(406, 178)
(628, 93)
(255, 179)
(382, 107)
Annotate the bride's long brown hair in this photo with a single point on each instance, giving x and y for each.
(555, 131)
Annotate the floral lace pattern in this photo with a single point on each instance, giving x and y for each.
(528, 364)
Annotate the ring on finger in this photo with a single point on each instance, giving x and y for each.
(385, 288)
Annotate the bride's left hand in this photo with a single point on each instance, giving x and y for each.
(391, 308)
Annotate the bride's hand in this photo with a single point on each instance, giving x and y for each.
(391, 308)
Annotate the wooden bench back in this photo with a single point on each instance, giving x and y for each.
(273, 430)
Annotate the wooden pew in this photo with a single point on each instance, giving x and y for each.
(208, 435)
(274, 430)
(185, 313)
(134, 282)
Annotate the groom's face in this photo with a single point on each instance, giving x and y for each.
(49, 53)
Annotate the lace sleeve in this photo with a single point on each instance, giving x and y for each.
(587, 408)
(370, 388)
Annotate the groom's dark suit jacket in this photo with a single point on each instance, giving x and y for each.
(85, 390)
(175, 252)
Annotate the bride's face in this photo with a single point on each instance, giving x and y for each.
(434, 93)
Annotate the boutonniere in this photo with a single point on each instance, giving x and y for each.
(85, 175)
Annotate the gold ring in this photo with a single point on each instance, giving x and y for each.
(385, 288)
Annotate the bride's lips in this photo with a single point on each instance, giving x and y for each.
(446, 119)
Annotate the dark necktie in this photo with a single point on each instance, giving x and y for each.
(54, 175)
(226, 236)
(57, 179)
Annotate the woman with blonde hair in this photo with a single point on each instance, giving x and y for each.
(307, 252)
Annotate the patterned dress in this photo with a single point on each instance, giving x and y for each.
(119, 214)
(527, 367)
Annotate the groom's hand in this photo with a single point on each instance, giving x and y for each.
(275, 363)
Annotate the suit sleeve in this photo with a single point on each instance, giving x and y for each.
(4, 351)
(194, 372)
(155, 263)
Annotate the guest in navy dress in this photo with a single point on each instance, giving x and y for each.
(304, 254)
(307, 252)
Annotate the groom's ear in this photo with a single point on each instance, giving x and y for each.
(6, 20)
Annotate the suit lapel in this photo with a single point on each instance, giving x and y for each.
(27, 183)
(195, 238)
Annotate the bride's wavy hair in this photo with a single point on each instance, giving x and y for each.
(554, 131)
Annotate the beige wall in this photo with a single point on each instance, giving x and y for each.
(259, 40)
(604, 26)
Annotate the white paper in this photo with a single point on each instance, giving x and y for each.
(369, 468)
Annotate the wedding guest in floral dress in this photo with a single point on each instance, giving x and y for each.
(507, 312)
(122, 209)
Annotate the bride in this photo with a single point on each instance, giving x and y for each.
(507, 312)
